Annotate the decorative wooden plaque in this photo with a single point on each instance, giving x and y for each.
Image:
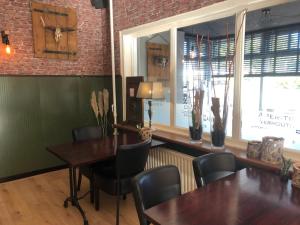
(54, 31)
(158, 61)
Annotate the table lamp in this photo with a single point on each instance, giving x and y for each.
(150, 90)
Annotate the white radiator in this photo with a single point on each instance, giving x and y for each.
(163, 156)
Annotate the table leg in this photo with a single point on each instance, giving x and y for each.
(75, 198)
(73, 194)
(70, 198)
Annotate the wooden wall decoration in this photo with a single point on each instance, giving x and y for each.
(158, 61)
(54, 31)
(134, 105)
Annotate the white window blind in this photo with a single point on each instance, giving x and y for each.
(272, 52)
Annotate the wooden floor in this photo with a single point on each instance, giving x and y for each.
(39, 200)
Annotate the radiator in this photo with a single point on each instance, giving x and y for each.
(163, 156)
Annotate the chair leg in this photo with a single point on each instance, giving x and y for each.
(118, 202)
(124, 197)
(118, 210)
(92, 191)
(97, 198)
(79, 180)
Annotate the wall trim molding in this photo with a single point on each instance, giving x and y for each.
(32, 173)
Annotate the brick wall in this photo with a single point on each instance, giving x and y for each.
(93, 38)
(130, 13)
(93, 33)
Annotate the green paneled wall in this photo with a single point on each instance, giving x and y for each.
(36, 112)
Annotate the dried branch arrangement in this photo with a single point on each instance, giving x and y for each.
(197, 109)
(198, 93)
(219, 123)
(100, 108)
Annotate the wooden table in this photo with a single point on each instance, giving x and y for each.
(77, 154)
(250, 196)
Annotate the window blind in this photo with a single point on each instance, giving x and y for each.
(272, 52)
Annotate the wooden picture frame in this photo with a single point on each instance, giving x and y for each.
(54, 31)
(158, 61)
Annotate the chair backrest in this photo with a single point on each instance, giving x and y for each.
(131, 159)
(155, 186)
(213, 166)
(86, 133)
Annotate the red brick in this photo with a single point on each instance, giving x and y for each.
(15, 16)
(93, 33)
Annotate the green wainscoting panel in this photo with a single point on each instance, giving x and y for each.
(119, 99)
(85, 89)
(20, 131)
(38, 111)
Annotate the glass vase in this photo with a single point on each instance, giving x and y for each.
(218, 125)
(218, 138)
(195, 134)
(195, 131)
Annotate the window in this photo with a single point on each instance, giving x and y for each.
(271, 85)
(265, 85)
(154, 65)
(194, 69)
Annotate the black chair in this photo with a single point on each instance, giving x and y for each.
(84, 134)
(116, 180)
(155, 186)
(213, 166)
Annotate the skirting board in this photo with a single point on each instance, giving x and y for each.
(32, 173)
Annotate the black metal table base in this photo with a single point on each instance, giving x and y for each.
(74, 199)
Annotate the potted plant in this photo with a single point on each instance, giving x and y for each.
(144, 132)
(285, 168)
(220, 114)
(100, 108)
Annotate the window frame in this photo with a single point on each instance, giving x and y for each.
(129, 59)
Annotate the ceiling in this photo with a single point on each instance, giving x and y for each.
(256, 20)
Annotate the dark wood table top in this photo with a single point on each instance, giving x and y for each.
(250, 196)
(88, 152)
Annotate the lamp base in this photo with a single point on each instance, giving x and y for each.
(147, 124)
(150, 112)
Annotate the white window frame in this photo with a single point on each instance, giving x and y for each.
(129, 61)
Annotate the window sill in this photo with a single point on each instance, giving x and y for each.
(179, 139)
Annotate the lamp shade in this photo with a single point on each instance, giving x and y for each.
(150, 90)
(145, 90)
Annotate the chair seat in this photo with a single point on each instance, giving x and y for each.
(106, 179)
(217, 175)
(88, 170)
